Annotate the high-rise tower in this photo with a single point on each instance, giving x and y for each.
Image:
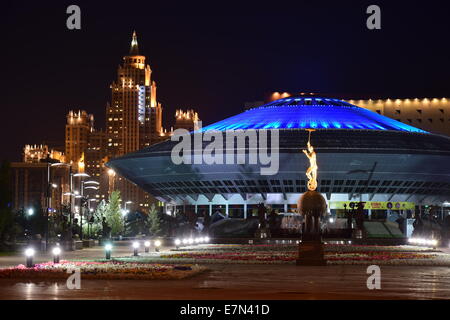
(134, 117)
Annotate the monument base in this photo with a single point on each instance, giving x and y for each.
(310, 253)
(262, 233)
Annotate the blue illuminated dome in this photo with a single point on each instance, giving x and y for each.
(310, 113)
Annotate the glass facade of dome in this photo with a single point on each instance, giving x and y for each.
(310, 113)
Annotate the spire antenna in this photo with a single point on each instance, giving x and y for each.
(134, 49)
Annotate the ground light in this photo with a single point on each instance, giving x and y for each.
(29, 253)
(157, 245)
(423, 242)
(147, 246)
(177, 243)
(108, 248)
(135, 248)
(56, 254)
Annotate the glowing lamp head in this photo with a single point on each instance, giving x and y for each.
(135, 244)
(56, 251)
(147, 244)
(191, 241)
(30, 211)
(185, 241)
(108, 247)
(197, 240)
(157, 243)
(177, 242)
(206, 239)
(29, 252)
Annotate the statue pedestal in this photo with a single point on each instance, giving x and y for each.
(262, 233)
(310, 253)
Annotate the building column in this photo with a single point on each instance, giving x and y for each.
(226, 209)
(285, 207)
(210, 209)
(245, 210)
(369, 213)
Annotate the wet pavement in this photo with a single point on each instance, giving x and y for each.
(279, 282)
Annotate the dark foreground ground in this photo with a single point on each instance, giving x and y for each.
(282, 282)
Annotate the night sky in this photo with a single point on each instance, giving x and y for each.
(211, 58)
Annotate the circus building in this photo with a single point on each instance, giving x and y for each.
(361, 155)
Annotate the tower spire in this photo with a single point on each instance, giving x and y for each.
(134, 49)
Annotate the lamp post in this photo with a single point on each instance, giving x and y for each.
(81, 175)
(70, 193)
(125, 211)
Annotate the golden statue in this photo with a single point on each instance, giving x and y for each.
(311, 173)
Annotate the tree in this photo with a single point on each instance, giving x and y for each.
(113, 214)
(154, 221)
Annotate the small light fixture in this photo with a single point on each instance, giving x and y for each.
(147, 246)
(135, 247)
(157, 245)
(29, 253)
(56, 253)
(177, 243)
(108, 248)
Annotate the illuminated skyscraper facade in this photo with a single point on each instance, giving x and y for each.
(134, 117)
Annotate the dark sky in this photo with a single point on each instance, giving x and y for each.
(212, 58)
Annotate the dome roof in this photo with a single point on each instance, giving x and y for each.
(310, 113)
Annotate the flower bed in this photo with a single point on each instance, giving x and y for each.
(288, 254)
(103, 270)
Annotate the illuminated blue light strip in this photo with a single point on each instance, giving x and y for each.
(329, 114)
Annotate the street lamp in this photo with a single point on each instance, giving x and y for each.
(82, 205)
(70, 193)
(30, 211)
(124, 216)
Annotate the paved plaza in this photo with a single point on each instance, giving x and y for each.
(241, 281)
